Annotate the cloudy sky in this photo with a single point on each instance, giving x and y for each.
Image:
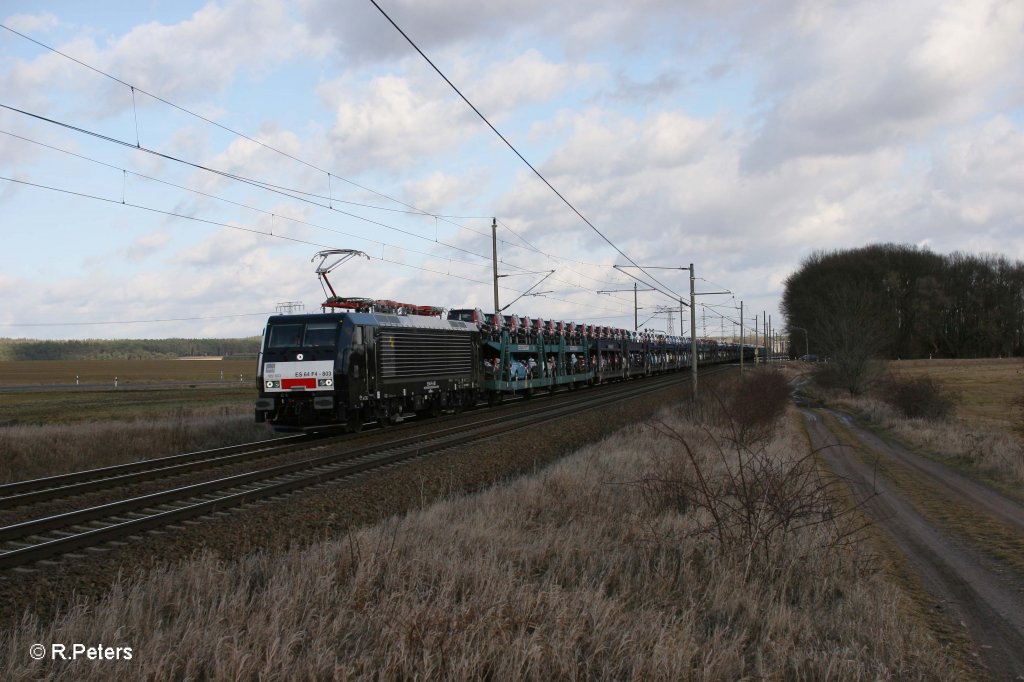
(171, 168)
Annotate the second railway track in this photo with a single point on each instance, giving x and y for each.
(43, 538)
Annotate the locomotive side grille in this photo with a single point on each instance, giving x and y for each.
(423, 353)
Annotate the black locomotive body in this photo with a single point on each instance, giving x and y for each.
(345, 369)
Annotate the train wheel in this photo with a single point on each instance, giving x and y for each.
(354, 423)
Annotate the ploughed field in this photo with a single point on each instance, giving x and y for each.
(102, 372)
(45, 391)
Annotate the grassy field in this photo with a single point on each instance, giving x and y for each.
(985, 436)
(161, 407)
(44, 391)
(637, 558)
(127, 404)
(128, 372)
(986, 387)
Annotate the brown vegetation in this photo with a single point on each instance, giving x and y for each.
(33, 451)
(586, 569)
(46, 372)
(918, 397)
(978, 437)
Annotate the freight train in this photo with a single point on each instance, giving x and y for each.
(379, 361)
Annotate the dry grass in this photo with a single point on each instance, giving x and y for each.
(980, 438)
(985, 387)
(47, 372)
(34, 451)
(577, 572)
(979, 446)
(63, 406)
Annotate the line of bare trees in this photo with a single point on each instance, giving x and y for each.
(124, 349)
(898, 301)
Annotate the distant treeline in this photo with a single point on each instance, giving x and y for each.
(125, 349)
(899, 301)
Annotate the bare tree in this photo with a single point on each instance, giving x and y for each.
(849, 330)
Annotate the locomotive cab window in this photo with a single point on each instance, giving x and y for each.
(320, 334)
(285, 336)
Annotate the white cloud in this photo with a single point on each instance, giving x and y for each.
(32, 23)
(438, 191)
(183, 60)
(737, 137)
(389, 124)
(865, 75)
(501, 87)
(146, 245)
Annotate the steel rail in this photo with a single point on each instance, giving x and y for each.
(11, 491)
(275, 484)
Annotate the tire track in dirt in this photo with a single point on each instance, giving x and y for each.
(988, 603)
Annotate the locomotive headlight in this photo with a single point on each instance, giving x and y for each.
(273, 384)
(325, 382)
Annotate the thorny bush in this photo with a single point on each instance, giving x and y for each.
(752, 493)
(917, 397)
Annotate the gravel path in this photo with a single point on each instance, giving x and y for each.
(975, 590)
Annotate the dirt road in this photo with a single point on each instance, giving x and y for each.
(961, 538)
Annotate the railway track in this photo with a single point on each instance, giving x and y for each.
(67, 485)
(43, 538)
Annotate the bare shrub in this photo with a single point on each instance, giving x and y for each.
(1017, 409)
(750, 498)
(755, 405)
(580, 571)
(917, 397)
(748, 408)
(831, 377)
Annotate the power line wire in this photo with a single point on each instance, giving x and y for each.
(483, 118)
(258, 184)
(255, 208)
(412, 210)
(299, 194)
(262, 233)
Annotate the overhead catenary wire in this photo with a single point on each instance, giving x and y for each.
(252, 230)
(250, 207)
(302, 196)
(408, 208)
(199, 116)
(299, 194)
(664, 289)
(250, 181)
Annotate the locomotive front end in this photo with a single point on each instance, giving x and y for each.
(299, 372)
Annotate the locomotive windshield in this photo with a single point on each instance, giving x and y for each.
(285, 336)
(464, 315)
(320, 334)
(313, 334)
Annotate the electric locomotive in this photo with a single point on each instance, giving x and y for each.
(344, 369)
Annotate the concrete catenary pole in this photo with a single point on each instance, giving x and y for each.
(693, 333)
(494, 255)
(741, 339)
